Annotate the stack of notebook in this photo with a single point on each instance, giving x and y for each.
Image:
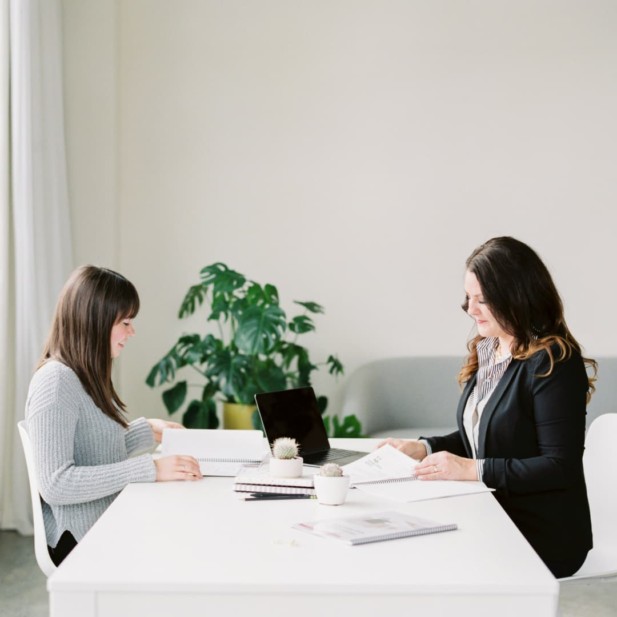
(250, 481)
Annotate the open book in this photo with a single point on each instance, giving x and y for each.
(219, 452)
(374, 527)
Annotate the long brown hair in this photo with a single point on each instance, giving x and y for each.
(520, 293)
(92, 301)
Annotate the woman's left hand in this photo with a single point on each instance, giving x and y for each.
(157, 425)
(446, 466)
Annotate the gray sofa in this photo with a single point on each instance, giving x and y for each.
(413, 396)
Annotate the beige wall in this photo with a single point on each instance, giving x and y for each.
(349, 152)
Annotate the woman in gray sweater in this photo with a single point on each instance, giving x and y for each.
(85, 450)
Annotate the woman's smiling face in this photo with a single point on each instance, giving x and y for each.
(120, 333)
(479, 311)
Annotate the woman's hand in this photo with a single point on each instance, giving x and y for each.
(158, 425)
(446, 466)
(177, 467)
(411, 447)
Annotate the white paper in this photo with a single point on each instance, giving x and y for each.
(384, 463)
(419, 490)
(388, 473)
(219, 452)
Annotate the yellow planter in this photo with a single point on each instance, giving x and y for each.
(238, 416)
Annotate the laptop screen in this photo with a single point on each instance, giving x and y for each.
(293, 413)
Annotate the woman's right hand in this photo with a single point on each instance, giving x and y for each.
(177, 467)
(411, 447)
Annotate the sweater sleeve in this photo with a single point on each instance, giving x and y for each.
(53, 412)
(139, 437)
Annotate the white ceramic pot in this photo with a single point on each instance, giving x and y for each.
(286, 467)
(331, 491)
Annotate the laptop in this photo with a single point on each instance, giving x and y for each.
(295, 413)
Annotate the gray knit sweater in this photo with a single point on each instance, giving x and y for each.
(83, 458)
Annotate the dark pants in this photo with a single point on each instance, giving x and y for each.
(65, 545)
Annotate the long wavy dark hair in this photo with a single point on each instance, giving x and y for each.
(520, 293)
(92, 301)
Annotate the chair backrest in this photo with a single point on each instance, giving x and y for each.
(40, 541)
(405, 392)
(604, 399)
(601, 477)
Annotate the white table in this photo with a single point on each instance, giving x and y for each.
(194, 549)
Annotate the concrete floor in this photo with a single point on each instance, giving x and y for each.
(23, 592)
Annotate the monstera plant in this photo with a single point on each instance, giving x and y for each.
(249, 346)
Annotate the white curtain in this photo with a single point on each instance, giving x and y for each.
(36, 242)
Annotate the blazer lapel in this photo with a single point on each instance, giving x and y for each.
(462, 403)
(492, 403)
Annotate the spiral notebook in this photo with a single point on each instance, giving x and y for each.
(279, 489)
(374, 527)
(219, 452)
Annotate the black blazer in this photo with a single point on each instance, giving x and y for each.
(531, 437)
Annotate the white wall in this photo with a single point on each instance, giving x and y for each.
(350, 152)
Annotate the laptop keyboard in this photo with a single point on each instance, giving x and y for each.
(332, 454)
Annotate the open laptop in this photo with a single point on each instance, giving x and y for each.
(295, 413)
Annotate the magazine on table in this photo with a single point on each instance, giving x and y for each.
(373, 527)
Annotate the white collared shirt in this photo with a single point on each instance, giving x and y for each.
(490, 371)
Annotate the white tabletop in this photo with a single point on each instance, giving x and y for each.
(191, 548)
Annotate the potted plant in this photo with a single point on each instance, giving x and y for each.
(331, 485)
(285, 462)
(249, 346)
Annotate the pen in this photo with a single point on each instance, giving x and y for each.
(264, 496)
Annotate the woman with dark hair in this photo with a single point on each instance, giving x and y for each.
(521, 417)
(85, 450)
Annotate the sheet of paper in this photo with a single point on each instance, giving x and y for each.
(419, 490)
(384, 463)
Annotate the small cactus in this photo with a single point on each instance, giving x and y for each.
(285, 448)
(330, 470)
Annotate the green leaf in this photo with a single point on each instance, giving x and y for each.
(350, 427)
(322, 404)
(260, 329)
(335, 366)
(311, 307)
(194, 297)
(190, 350)
(221, 278)
(229, 370)
(257, 423)
(297, 363)
(201, 414)
(301, 324)
(268, 377)
(174, 397)
(271, 293)
(162, 371)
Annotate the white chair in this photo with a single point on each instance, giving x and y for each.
(601, 476)
(40, 541)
